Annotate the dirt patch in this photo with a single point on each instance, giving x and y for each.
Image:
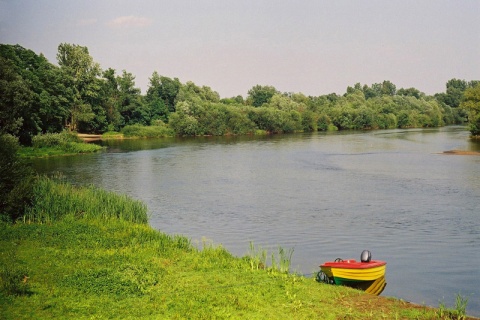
(90, 137)
(461, 153)
(367, 302)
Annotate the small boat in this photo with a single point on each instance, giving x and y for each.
(367, 274)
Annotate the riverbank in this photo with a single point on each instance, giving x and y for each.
(57, 144)
(73, 258)
(83, 268)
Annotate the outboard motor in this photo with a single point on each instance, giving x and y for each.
(366, 256)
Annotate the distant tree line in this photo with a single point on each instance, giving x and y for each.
(37, 96)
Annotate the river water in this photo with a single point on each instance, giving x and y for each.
(324, 195)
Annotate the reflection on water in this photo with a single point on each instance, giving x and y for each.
(326, 195)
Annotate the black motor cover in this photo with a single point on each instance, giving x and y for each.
(366, 256)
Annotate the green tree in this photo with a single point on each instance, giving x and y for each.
(388, 88)
(15, 99)
(410, 92)
(80, 74)
(131, 105)
(163, 89)
(454, 92)
(45, 109)
(259, 95)
(111, 102)
(471, 104)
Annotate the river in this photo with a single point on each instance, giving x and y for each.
(324, 195)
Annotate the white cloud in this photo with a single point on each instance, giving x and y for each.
(129, 21)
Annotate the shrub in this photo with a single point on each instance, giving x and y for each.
(155, 131)
(54, 139)
(16, 180)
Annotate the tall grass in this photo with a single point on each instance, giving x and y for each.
(257, 257)
(54, 200)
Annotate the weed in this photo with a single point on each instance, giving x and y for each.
(461, 306)
(285, 259)
(257, 257)
(457, 313)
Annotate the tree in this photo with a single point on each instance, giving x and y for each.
(388, 88)
(164, 89)
(80, 74)
(45, 108)
(471, 104)
(15, 99)
(131, 105)
(259, 95)
(111, 102)
(454, 92)
(410, 92)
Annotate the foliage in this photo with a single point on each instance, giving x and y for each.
(54, 139)
(472, 106)
(80, 73)
(15, 98)
(38, 97)
(53, 200)
(139, 131)
(16, 179)
(259, 95)
(162, 93)
(52, 144)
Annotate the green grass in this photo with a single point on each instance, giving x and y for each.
(84, 268)
(57, 144)
(92, 265)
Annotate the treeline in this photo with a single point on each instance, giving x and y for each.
(40, 97)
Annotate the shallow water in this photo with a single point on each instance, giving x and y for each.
(326, 195)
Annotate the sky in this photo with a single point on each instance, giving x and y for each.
(311, 46)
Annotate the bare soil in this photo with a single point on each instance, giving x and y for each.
(461, 153)
(89, 137)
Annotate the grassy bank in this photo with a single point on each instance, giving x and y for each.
(56, 144)
(68, 259)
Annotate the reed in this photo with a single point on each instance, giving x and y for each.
(257, 257)
(54, 200)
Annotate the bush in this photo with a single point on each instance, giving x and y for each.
(16, 180)
(54, 139)
(140, 131)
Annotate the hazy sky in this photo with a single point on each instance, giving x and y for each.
(310, 46)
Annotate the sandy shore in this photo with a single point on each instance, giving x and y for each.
(461, 153)
(89, 137)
